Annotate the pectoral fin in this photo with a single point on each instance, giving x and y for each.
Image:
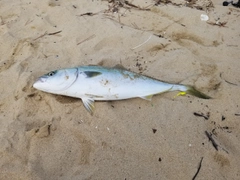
(149, 97)
(91, 74)
(88, 104)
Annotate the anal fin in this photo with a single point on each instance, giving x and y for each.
(88, 104)
(148, 97)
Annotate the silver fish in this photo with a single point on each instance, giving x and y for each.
(93, 83)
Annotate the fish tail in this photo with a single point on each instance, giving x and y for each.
(186, 89)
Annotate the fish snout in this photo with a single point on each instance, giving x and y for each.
(38, 82)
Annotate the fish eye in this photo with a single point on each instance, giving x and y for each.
(51, 73)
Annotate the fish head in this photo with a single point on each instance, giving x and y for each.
(58, 80)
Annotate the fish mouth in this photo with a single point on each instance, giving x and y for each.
(39, 81)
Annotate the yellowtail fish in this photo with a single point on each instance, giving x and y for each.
(93, 83)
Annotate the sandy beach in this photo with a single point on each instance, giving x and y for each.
(46, 136)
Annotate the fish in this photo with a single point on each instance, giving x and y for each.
(97, 83)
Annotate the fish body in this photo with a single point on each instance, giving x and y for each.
(94, 83)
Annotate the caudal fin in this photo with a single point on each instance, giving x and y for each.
(191, 90)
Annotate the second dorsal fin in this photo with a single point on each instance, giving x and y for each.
(119, 66)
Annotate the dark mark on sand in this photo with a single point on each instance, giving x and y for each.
(199, 167)
(87, 14)
(223, 118)
(49, 129)
(54, 33)
(202, 115)
(90, 37)
(154, 130)
(209, 135)
(227, 81)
